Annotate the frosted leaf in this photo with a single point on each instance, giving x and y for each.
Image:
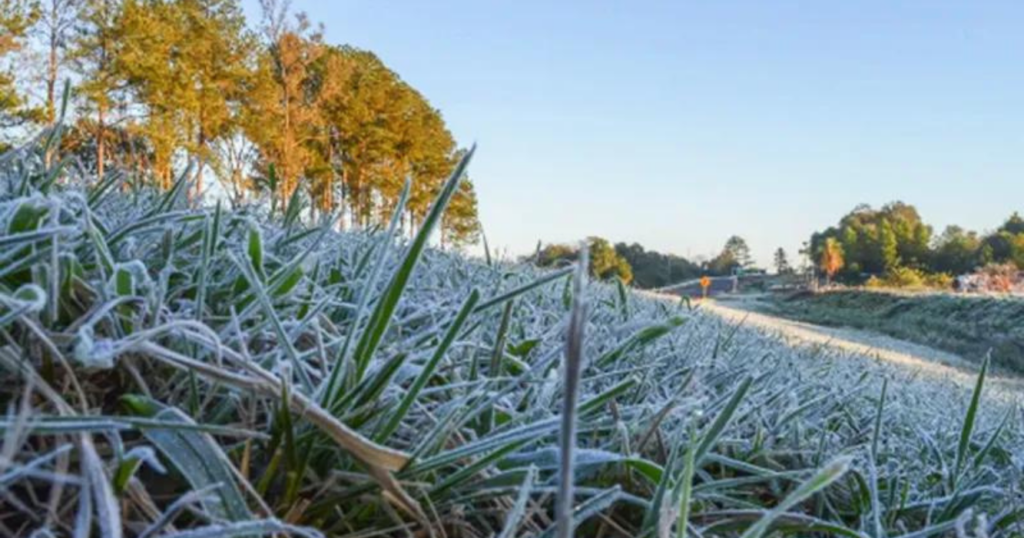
(147, 455)
(93, 353)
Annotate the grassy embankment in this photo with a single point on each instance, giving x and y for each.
(968, 325)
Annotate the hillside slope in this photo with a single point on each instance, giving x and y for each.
(968, 325)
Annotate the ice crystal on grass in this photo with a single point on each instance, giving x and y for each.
(299, 380)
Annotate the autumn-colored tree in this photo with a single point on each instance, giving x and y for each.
(831, 258)
(381, 132)
(459, 225)
(92, 54)
(280, 114)
(185, 62)
(16, 18)
(57, 19)
(165, 81)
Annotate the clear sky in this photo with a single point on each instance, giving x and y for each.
(678, 123)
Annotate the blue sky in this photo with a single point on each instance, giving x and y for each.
(676, 124)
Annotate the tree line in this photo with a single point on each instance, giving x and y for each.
(162, 87)
(648, 269)
(869, 242)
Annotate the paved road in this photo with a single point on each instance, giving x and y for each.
(691, 288)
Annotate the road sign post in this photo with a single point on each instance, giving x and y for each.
(705, 283)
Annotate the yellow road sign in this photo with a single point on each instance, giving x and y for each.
(705, 282)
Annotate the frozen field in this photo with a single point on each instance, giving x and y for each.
(173, 370)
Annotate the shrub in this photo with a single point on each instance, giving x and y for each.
(910, 279)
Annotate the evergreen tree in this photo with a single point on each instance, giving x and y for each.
(781, 262)
(605, 262)
(92, 54)
(280, 113)
(956, 251)
(1013, 225)
(653, 269)
(185, 62)
(888, 242)
(57, 21)
(16, 18)
(735, 255)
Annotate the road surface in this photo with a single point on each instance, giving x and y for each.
(691, 288)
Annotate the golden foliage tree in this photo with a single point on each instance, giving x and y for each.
(16, 18)
(186, 63)
(162, 83)
(831, 258)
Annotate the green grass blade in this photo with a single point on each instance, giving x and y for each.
(968, 426)
(196, 455)
(821, 480)
(429, 368)
(717, 427)
(380, 319)
(511, 294)
(572, 366)
(515, 515)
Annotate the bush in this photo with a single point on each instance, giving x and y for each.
(910, 279)
(939, 281)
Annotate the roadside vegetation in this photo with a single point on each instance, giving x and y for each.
(175, 370)
(893, 247)
(969, 325)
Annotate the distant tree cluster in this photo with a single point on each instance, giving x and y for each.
(159, 84)
(734, 255)
(646, 269)
(653, 269)
(894, 240)
(605, 262)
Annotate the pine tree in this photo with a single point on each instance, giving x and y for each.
(280, 114)
(57, 21)
(186, 64)
(782, 266)
(460, 225)
(889, 245)
(16, 18)
(92, 54)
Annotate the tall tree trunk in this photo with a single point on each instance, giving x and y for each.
(200, 162)
(345, 206)
(101, 145)
(51, 87)
(51, 84)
